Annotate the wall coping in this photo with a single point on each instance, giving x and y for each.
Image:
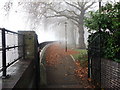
(15, 71)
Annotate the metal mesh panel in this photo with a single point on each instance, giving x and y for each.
(95, 60)
(96, 71)
(104, 73)
(110, 74)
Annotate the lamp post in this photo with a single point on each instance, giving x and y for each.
(75, 38)
(66, 36)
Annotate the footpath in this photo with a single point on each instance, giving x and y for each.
(61, 69)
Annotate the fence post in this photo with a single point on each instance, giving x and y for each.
(100, 39)
(3, 53)
(89, 64)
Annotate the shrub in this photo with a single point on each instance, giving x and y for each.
(108, 40)
(112, 50)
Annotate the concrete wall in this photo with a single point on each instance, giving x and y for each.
(28, 79)
(29, 42)
(43, 46)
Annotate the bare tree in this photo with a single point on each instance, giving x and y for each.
(74, 11)
(7, 7)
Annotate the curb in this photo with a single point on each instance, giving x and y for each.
(72, 58)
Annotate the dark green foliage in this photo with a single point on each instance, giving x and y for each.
(109, 19)
(113, 46)
(98, 41)
(108, 40)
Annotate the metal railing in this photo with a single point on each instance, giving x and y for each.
(10, 48)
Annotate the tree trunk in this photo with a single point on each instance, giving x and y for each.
(81, 30)
(81, 37)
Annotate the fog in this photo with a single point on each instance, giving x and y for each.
(21, 15)
(14, 16)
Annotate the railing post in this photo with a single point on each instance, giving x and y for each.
(23, 46)
(3, 53)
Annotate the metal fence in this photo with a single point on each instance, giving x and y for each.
(104, 73)
(94, 61)
(11, 49)
(110, 74)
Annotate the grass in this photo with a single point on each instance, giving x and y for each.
(82, 57)
(82, 54)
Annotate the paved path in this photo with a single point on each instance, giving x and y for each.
(60, 73)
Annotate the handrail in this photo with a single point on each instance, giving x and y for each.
(11, 47)
(5, 47)
(10, 31)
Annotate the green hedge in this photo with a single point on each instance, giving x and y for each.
(109, 44)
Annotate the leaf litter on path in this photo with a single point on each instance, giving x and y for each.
(55, 53)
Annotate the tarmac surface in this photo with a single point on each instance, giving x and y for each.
(60, 69)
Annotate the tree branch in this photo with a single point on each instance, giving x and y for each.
(75, 23)
(89, 6)
(62, 15)
(73, 6)
(73, 12)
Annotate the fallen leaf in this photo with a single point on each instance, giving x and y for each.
(89, 79)
(66, 74)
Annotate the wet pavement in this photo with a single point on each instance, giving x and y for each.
(60, 69)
